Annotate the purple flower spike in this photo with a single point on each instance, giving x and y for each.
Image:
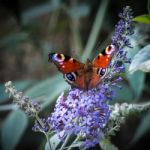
(81, 112)
(120, 40)
(86, 113)
(123, 29)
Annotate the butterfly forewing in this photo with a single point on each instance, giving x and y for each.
(104, 58)
(64, 63)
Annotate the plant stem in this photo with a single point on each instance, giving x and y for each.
(95, 29)
(148, 7)
(42, 125)
(65, 142)
(77, 138)
(48, 141)
(39, 120)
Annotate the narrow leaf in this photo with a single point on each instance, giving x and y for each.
(148, 7)
(13, 129)
(99, 19)
(40, 10)
(79, 11)
(143, 128)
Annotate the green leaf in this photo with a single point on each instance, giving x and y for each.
(148, 7)
(44, 87)
(142, 19)
(143, 128)
(47, 89)
(79, 11)
(119, 94)
(107, 145)
(13, 129)
(136, 81)
(54, 93)
(141, 60)
(3, 94)
(54, 141)
(99, 19)
(40, 10)
(13, 40)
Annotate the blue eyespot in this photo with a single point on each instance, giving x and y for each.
(70, 77)
(101, 72)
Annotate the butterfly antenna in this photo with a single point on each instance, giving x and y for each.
(97, 46)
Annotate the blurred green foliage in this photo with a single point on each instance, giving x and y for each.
(29, 32)
(15, 124)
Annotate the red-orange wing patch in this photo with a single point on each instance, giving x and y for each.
(104, 58)
(65, 64)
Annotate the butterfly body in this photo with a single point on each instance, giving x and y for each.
(87, 77)
(80, 75)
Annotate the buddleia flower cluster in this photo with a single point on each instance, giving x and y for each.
(29, 107)
(86, 113)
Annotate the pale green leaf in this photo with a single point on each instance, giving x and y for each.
(54, 142)
(141, 60)
(39, 10)
(13, 129)
(136, 80)
(44, 87)
(48, 89)
(143, 128)
(107, 145)
(119, 94)
(148, 7)
(79, 11)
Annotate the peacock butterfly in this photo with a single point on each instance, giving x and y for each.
(80, 75)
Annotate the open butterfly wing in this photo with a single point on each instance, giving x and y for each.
(65, 64)
(103, 59)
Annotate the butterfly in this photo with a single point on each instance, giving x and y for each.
(83, 76)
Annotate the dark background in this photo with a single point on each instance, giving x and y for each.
(29, 30)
